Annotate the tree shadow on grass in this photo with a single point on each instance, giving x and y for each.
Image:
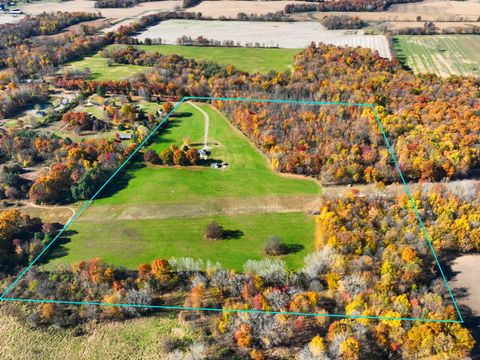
(58, 249)
(181, 114)
(293, 248)
(161, 135)
(121, 179)
(232, 234)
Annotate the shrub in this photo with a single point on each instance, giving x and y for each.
(214, 231)
(151, 156)
(274, 246)
(271, 270)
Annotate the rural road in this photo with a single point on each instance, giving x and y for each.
(207, 122)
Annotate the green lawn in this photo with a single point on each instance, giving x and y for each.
(249, 172)
(246, 59)
(101, 71)
(105, 231)
(132, 242)
(440, 54)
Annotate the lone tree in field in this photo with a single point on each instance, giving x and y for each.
(274, 246)
(214, 231)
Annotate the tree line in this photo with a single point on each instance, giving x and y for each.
(344, 5)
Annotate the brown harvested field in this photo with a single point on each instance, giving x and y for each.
(429, 10)
(89, 6)
(281, 34)
(467, 273)
(228, 8)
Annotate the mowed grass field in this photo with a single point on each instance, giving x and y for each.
(106, 232)
(245, 59)
(101, 71)
(440, 54)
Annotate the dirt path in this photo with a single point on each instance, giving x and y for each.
(51, 207)
(207, 122)
(208, 207)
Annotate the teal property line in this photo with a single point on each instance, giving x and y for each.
(204, 98)
(248, 311)
(416, 212)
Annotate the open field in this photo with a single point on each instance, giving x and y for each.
(246, 59)
(249, 173)
(101, 71)
(130, 339)
(89, 6)
(281, 34)
(146, 218)
(227, 8)
(467, 270)
(132, 242)
(429, 10)
(440, 54)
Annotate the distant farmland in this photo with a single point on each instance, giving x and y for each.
(293, 35)
(440, 54)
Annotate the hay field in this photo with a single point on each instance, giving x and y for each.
(440, 54)
(285, 35)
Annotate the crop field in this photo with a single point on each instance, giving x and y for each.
(440, 54)
(281, 34)
(156, 211)
(246, 59)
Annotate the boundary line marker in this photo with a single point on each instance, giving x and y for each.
(206, 98)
